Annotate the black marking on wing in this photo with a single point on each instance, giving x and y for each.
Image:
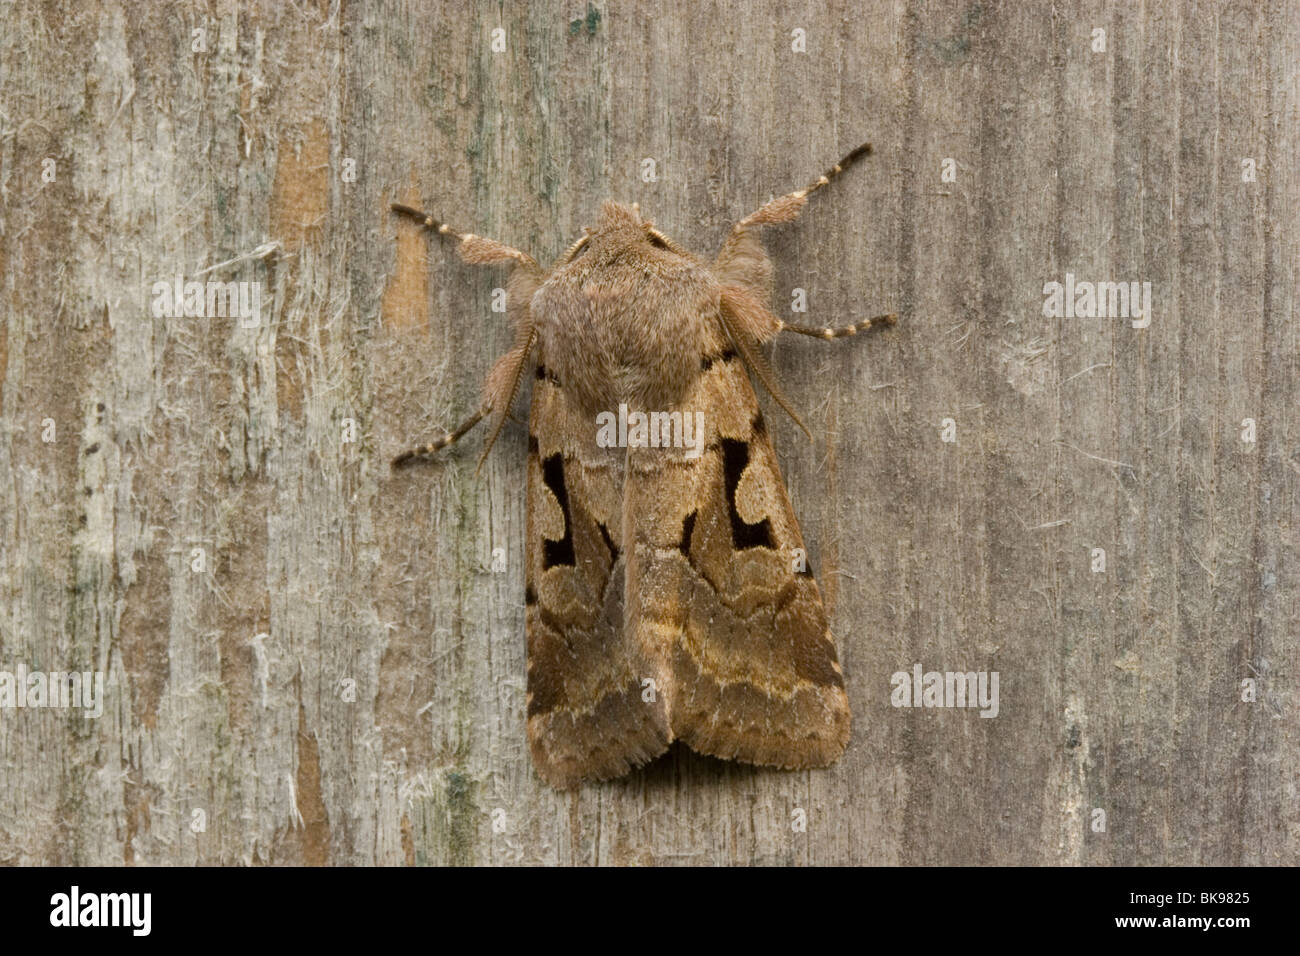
(735, 459)
(688, 529)
(557, 552)
(726, 355)
(609, 543)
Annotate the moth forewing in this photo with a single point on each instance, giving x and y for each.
(586, 715)
(714, 597)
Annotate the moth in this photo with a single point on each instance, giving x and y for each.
(666, 597)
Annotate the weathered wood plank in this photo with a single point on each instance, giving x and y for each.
(311, 659)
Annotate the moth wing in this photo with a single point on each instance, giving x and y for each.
(590, 713)
(715, 598)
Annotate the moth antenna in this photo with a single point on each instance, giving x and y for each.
(664, 241)
(747, 315)
(759, 366)
(844, 330)
(425, 452)
(476, 250)
(573, 250)
(503, 384)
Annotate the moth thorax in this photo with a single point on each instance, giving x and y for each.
(598, 377)
(660, 386)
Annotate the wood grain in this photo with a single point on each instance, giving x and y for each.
(343, 682)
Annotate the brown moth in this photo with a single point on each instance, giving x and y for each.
(667, 597)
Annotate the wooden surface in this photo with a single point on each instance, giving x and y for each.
(344, 682)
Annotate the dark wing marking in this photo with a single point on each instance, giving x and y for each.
(746, 659)
(587, 718)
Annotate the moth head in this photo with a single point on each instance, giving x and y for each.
(620, 228)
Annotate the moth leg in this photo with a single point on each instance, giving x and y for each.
(787, 207)
(854, 329)
(825, 178)
(503, 382)
(477, 250)
(742, 260)
(746, 275)
(425, 452)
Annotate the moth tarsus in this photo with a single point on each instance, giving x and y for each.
(423, 218)
(667, 594)
(427, 451)
(837, 333)
(852, 157)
